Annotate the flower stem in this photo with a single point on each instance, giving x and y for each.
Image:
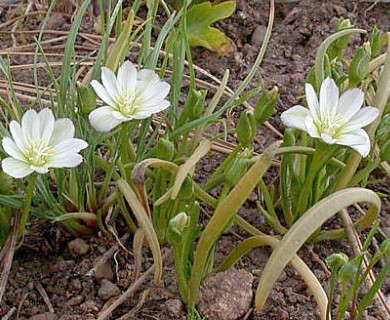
(27, 205)
(321, 156)
(127, 152)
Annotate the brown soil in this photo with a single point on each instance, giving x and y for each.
(45, 260)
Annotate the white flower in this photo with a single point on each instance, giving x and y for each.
(334, 119)
(40, 143)
(130, 95)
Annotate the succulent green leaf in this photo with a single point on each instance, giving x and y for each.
(200, 33)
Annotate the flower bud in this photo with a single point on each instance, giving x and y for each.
(359, 65)
(179, 222)
(265, 105)
(176, 228)
(238, 167)
(194, 105)
(376, 42)
(165, 149)
(335, 261)
(385, 247)
(246, 128)
(347, 271)
(337, 47)
(86, 99)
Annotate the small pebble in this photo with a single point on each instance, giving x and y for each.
(258, 35)
(78, 247)
(103, 271)
(108, 290)
(75, 301)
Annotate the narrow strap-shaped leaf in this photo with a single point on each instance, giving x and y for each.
(145, 223)
(221, 217)
(199, 153)
(320, 56)
(259, 241)
(298, 234)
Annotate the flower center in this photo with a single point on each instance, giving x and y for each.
(330, 124)
(128, 103)
(38, 153)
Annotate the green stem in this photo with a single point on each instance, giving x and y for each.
(180, 273)
(27, 205)
(127, 152)
(321, 156)
(381, 98)
(331, 293)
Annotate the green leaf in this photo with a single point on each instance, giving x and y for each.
(200, 33)
(302, 230)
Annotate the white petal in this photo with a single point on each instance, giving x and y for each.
(329, 96)
(66, 161)
(363, 149)
(362, 118)
(127, 76)
(15, 168)
(295, 117)
(162, 105)
(350, 102)
(357, 140)
(30, 125)
(63, 130)
(17, 134)
(46, 124)
(154, 94)
(120, 117)
(70, 146)
(12, 149)
(102, 92)
(146, 79)
(110, 82)
(102, 119)
(312, 101)
(311, 128)
(42, 170)
(328, 139)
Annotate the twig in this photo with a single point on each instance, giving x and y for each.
(108, 255)
(356, 244)
(8, 261)
(9, 314)
(45, 297)
(130, 291)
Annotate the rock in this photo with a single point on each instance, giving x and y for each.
(174, 306)
(90, 306)
(103, 270)
(56, 20)
(258, 35)
(76, 301)
(45, 316)
(108, 290)
(226, 295)
(78, 247)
